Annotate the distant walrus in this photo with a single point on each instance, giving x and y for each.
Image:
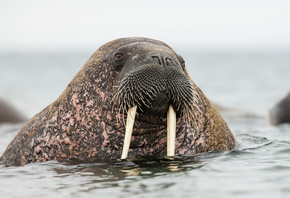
(280, 113)
(87, 121)
(9, 114)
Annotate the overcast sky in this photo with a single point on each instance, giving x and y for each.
(35, 25)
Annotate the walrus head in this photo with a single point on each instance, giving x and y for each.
(151, 76)
(142, 77)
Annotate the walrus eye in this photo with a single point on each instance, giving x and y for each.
(118, 56)
(181, 60)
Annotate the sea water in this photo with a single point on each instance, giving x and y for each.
(246, 84)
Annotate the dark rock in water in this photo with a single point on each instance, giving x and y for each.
(9, 114)
(280, 113)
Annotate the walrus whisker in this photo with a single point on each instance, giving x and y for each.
(171, 131)
(187, 95)
(142, 100)
(138, 97)
(188, 115)
(129, 129)
(137, 101)
(122, 108)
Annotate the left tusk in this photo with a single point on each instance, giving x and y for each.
(171, 131)
(129, 129)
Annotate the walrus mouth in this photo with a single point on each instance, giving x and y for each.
(171, 130)
(139, 90)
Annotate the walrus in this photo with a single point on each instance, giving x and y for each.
(280, 113)
(9, 114)
(141, 77)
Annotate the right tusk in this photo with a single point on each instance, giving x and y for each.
(129, 129)
(171, 131)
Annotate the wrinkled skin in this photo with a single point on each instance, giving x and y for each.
(280, 113)
(86, 123)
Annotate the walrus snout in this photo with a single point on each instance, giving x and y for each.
(152, 88)
(159, 105)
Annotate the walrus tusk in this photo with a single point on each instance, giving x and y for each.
(129, 129)
(171, 130)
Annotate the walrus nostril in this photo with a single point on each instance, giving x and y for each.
(156, 60)
(162, 60)
(168, 62)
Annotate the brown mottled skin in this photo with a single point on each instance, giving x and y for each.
(82, 123)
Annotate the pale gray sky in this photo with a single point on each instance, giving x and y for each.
(35, 25)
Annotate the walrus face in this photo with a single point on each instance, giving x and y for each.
(151, 80)
(151, 77)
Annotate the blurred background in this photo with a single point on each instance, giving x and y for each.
(238, 52)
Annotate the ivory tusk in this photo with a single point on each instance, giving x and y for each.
(129, 129)
(171, 130)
